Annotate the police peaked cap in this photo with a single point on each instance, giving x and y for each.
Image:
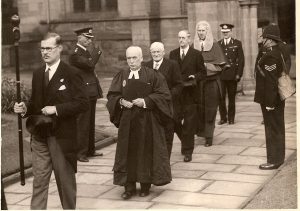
(87, 32)
(226, 27)
(272, 32)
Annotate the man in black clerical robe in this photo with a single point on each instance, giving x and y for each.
(139, 102)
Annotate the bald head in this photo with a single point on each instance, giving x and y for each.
(134, 56)
(157, 51)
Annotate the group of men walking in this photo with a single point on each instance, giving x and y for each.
(148, 102)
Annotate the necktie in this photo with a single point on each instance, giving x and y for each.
(202, 46)
(156, 66)
(182, 55)
(46, 77)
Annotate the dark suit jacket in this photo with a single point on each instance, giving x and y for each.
(235, 58)
(85, 62)
(65, 91)
(170, 70)
(192, 64)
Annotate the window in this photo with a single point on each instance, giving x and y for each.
(79, 5)
(95, 5)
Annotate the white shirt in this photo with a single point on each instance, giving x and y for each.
(134, 73)
(156, 65)
(226, 41)
(185, 50)
(52, 68)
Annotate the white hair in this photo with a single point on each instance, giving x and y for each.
(136, 48)
(209, 40)
(157, 45)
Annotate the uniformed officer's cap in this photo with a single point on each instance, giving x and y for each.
(226, 27)
(87, 32)
(272, 32)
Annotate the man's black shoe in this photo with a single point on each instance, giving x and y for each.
(127, 194)
(208, 142)
(269, 166)
(144, 193)
(231, 122)
(95, 154)
(187, 158)
(83, 159)
(222, 121)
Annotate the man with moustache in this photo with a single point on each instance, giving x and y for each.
(57, 97)
(192, 72)
(171, 72)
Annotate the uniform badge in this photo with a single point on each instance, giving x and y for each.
(76, 49)
(61, 80)
(124, 83)
(271, 67)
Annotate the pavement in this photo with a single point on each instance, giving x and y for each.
(225, 175)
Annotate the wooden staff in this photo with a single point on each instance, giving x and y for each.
(15, 20)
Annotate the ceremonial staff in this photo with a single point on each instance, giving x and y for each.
(15, 20)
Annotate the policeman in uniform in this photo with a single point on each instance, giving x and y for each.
(268, 69)
(231, 76)
(85, 57)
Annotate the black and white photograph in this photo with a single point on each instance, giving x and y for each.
(148, 104)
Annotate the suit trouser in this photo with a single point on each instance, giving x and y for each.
(229, 87)
(169, 133)
(187, 130)
(47, 156)
(86, 131)
(275, 133)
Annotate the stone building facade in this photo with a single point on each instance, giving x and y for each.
(120, 23)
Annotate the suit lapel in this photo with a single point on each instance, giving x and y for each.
(54, 83)
(187, 57)
(163, 67)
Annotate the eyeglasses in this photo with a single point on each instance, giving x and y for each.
(47, 49)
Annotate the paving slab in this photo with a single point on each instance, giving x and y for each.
(92, 190)
(95, 169)
(92, 178)
(235, 135)
(95, 203)
(186, 173)
(233, 129)
(18, 207)
(203, 167)
(97, 162)
(260, 151)
(53, 201)
(13, 198)
(232, 188)
(200, 199)
(184, 184)
(205, 158)
(220, 150)
(235, 177)
(173, 206)
(243, 142)
(245, 169)
(242, 160)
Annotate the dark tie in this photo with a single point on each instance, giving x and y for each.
(202, 46)
(46, 77)
(182, 55)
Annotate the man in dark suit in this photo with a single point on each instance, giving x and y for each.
(231, 76)
(170, 70)
(85, 60)
(192, 71)
(57, 93)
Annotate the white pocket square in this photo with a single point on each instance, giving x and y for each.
(62, 87)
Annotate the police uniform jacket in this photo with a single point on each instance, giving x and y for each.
(235, 58)
(268, 70)
(85, 62)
